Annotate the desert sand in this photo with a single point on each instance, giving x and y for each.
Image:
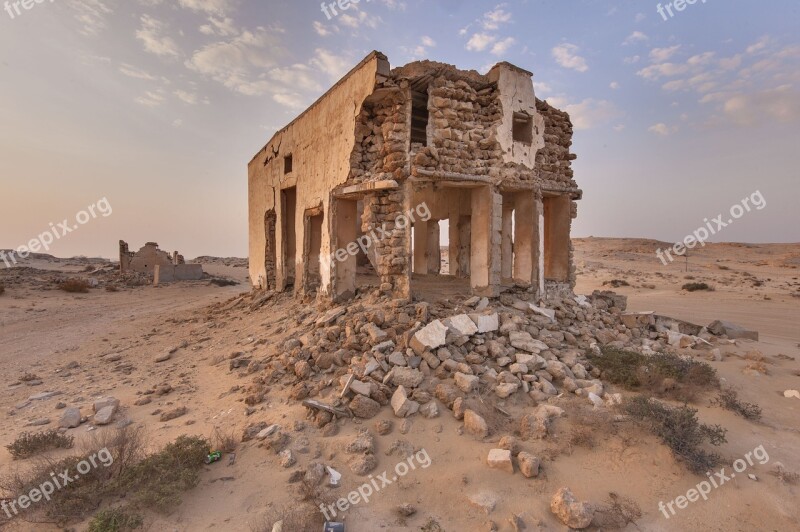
(87, 346)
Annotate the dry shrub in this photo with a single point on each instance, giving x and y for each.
(73, 501)
(30, 444)
(694, 287)
(158, 481)
(581, 437)
(155, 481)
(662, 374)
(224, 440)
(679, 429)
(111, 288)
(2, 288)
(756, 362)
(616, 513)
(784, 475)
(496, 421)
(75, 286)
(728, 399)
(304, 514)
(115, 520)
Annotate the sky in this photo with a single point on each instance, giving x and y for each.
(150, 110)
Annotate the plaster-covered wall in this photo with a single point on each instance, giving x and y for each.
(320, 142)
(515, 87)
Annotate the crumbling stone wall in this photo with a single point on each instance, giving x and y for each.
(462, 123)
(391, 252)
(554, 161)
(381, 140)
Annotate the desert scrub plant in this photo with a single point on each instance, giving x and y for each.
(2, 288)
(616, 513)
(635, 371)
(694, 287)
(115, 520)
(29, 444)
(728, 399)
(224, 440)
(158, 481)
(679, 429)
(74, 500)
(75, 286)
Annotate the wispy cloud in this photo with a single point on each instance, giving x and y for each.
(566, 55)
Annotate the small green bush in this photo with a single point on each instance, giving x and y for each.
(29, 444)
(679, 429)
(157, 481)
(75, 286)
(634, 371)
(694, 287)
(115, 520)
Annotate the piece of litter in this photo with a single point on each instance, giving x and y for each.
(335, 476)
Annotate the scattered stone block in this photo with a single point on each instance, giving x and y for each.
(528, 464)
(429, 337)
(466, 383)
(500, 459)
(570, 511)
(71, 418)
(475, 424)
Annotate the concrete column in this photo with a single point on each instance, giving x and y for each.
(486, 228)
(420, 247)
(455, 243)
(539, 249)
(345, 220)
(433, 249)
(506, 243)
(525, 237)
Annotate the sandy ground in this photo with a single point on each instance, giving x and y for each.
(43, 330)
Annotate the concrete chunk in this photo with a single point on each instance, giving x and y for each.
(429, 337)
(486, 322)
(461, 325)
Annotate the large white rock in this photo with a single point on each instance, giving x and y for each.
(429, 337)
(486, 322)
(523, 340)
(500, 459)
(462, 325)
(402, 405)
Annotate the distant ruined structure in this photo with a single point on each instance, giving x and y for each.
(160, 264)
(353, 191)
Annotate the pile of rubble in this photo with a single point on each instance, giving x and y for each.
(416, 356)
(378, 352)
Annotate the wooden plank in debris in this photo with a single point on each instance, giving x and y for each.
(311, 403)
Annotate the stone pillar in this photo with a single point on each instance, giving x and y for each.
(507, 244)
(539, 249)
(525, 237)
(420, 247)
(486, 229)
(433, 249)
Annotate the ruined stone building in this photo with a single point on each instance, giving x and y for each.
(163, 266)
(354, 190)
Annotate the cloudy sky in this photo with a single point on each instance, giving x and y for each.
(158, 105)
